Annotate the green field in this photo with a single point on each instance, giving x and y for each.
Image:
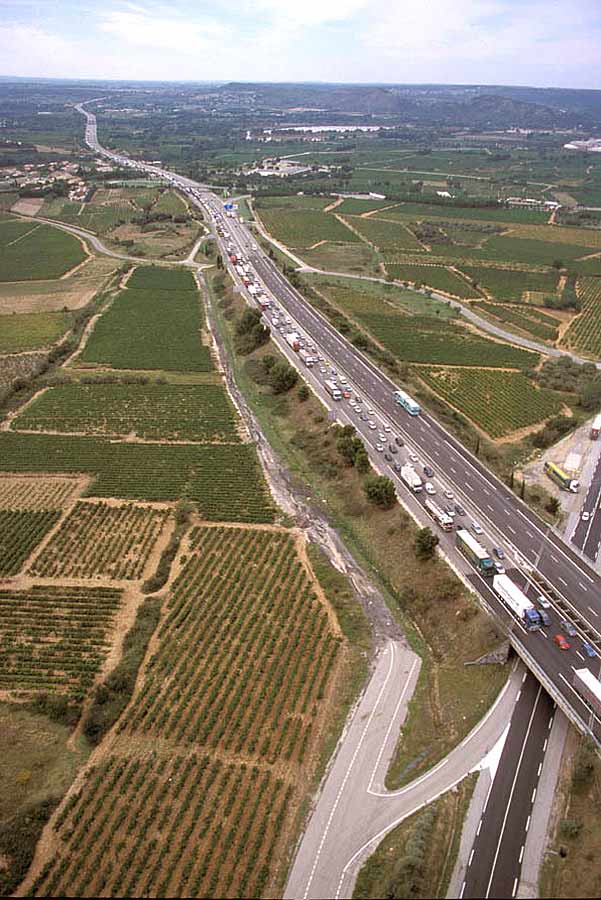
(21, 530)
(352, 206)
(54, 638)
(388, 237)
(150, 329)
(32, 331)
(510, 284)
(159, 278)
(304, 228)
(194, 412)
(223, 479)
(584, 334)
(476, 214)
(294, 203)
(171, 203)
(425, 338)
(519, 317)
(439, 278)
(497, 402)
(93, 217)
(36, 253)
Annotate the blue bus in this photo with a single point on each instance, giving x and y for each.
(407, 403)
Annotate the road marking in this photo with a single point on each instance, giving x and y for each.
(511, 793)
(582, 587)
(545, 745)
(593, 611)
(348, 772)
(479, 827)
(509, 528)
(471, 858)
(469, 487)
(521, 854)
(563, 581)
(388, 730)
(533, 796)
(540, 768)
(527, 823)
(515, 887)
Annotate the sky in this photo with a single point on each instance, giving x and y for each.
(543, 43)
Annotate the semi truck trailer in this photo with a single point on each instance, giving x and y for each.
(517, 602)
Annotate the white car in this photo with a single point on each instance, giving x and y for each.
(382, 436)
(430, 489)
(379, 448)
(449, 494)
(413, 457)
(477, 529)
(586, 516)
(343, 380)
(372, 424)
(352, 402)
(323, 370)
(370, 411)
(387, 429)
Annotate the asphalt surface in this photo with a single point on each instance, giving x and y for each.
(354, 811)
(574, 587)
(495, 862)
(587, 534)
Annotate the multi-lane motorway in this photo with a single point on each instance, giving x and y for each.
(536, 551)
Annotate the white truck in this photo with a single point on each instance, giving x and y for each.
(517, 602)
(439, 515)
(411, 478)
(293, 340)
(333, 390)
(306, 358)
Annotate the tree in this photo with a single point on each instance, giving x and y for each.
(362, 463)
(303, 393)
(282, 377)
(380, 491)
(553, 506)
(425, 543)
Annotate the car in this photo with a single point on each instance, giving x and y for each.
(448, 494)
(399, 441)
(569, 628)
(499, 552)
(333, 372)
(543, 601)
(561, 642)
(586, 516)
(450, 510)
(459, 509)
(370, 411)
(371, 424)
(392, 448)
(320, 357)
(323, 370)
(388, 457)
(379, 448)
(382, 436)
(352, 403)
(589, 650)
(387, 429)
(343, 380)
(358, 398)
(429, 471)
(413, 457)
(545, 618)
(477, 529)
(430, 489)
(364, 417)
(397, 466)
(499, 568)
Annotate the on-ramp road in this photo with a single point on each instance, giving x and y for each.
(354, 811)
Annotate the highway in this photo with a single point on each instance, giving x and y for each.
(587, 534)
(495, 861)
(540, 559)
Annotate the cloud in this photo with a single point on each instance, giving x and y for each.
(155, 29)
(31, 50)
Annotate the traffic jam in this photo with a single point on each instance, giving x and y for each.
(533, 608)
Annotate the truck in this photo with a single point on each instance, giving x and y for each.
(293, 340)
(306, 358)
(473, 550)
(517, 602)
(596, 428)
(407, 403)
(233, 258)
(333, 390)
(439, 515)
(561, 478)
(411, 478)
(589, 688)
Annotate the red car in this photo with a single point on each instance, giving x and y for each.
(561, 642)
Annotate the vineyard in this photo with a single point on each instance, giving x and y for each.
(585, 331)
(167, 411)
(476, 214)
(37, 253)
(161, 279)
(510, 284)
(497, 402)
(231, 713)
(54, 638)
(427, 338)
(101, 540)
(150, 329)
(32, 331)
(304, 228)
(388, 237)
(521, 318)
(439, 278)
(35, 493)
(21, 530)
(223, 479)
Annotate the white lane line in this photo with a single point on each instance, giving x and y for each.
(563, 581)
(515, 887)
(469, 862)
(509, 528)
(521, 854)
(527, 823)
(348, 772)
(540, 768)
(582, 586)
(533, 796)
(511, 793)
(594, 612)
